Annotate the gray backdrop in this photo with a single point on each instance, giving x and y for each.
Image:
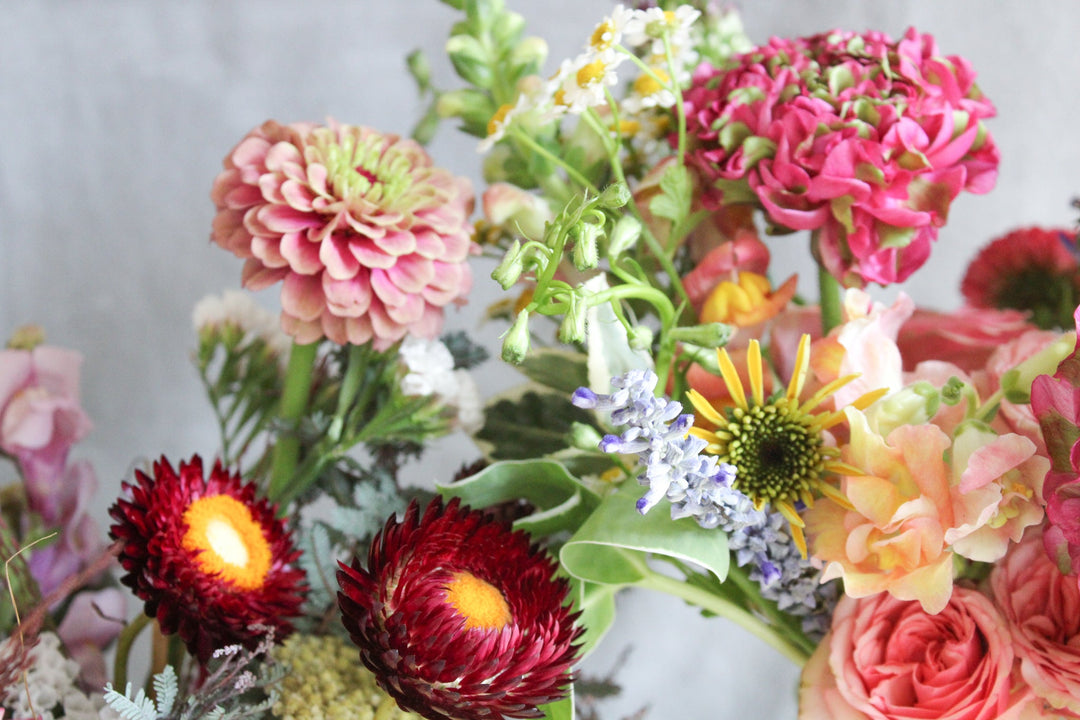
(114, 117)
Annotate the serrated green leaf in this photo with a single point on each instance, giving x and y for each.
(527, 422)
(561, 500)
(612, 545)
(673, 202)
(557, 369)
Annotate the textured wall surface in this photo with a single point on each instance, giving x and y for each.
(114, 117)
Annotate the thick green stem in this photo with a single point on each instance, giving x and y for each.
(123, 649)
(294, 401)
(350, 386)
(830, 301)
(725, 609)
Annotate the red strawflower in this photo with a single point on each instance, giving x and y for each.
(209, 559)
(1032, 269)
(459, 617)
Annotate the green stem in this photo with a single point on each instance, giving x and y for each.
(830, 302)
(575, 175)
(123, 649)
(725, 609)
(350, 386)
(294, 401)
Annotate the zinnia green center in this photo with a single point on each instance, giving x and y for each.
(364, 166)
(777, 457)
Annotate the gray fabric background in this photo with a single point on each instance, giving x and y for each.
(114, 117)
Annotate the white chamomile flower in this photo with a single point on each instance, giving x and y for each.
(430, 369)
(531, 95)
(581, 82)
(609, 32)
(649, 90)
(653, 24)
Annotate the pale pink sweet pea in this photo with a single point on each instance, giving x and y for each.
(1042, 610)
(92, 621)
(996, 491)
(40, 414)
(519, 212)
(886, 659)
(893, 540)
(966, 337)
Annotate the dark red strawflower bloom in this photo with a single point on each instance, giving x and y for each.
(459, 617)
(1032, 269)
(210, 560)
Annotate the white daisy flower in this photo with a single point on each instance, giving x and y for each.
(609, 32)
(649, 91)
(581, 82)
(653, 24)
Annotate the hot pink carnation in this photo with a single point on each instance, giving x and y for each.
(1042, 609)
(368, 239)
(865, 140)
(886, 659)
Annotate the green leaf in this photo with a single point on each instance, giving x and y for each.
(612, 545)
(562, 501)
(527, 422)
(674, 201)
(560, 709)
(597, 606)
(557, 369)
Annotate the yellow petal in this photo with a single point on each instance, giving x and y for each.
(802, 365)
(731, 378)
(753, 366)
(705, 408)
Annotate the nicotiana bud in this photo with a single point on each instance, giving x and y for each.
(624, 235)
(516, 341)
(509, 270)
(572, 329)
(912, 405)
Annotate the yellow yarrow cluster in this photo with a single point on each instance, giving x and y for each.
(327, 681)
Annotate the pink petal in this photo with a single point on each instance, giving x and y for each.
(412, 273)
(397, 243)
(301, 254)
(348, 298)
(335, 254)
(302, 296)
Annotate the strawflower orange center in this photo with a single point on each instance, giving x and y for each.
(478, 601)
(228, 541)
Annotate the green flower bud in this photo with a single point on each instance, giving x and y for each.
(26, 337)
(529, 54)
(572, 329)
(615, 196)
(509, 270)
(516, 340)
(913, 405)
(1016, 383)
(419, 68)
(464, 103)
(705, 357)
(470, 60)
(507, 29)
(708, 335)
(583, 436)
(640, 337)
(624, 235)
(586, 256)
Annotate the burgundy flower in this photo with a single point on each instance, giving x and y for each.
(207, 557)
(1032, 269)
(368, 239)
(459, 617)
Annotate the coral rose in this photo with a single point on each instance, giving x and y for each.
(1042, 609)
(368, 239)
(887, 659)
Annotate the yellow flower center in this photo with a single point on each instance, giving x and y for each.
(648, 84)
(498, 118)
(228, 541)
(603, 36)
(478, 601)
(591, 73)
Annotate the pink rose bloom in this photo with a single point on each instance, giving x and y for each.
(1042, 610)
(966, 337)
(885, 659)
(368, 239)
(40, 415)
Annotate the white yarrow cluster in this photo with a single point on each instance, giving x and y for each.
(431, 373)
(238, 309)
(49, 683)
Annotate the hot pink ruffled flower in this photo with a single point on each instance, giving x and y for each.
(1042, 610)
(862, 139)
(885, 659)
(40, 414)
(368, 239)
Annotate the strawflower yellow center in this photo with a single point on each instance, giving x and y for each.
(591, 73)
(478, 601)
(228, 541)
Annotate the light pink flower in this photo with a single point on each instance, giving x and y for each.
(519, 212)
(1042, 610)
(886, 659)
(893, 540)
(40, 414)
(92, 621)
(368, 239)
(966, 337)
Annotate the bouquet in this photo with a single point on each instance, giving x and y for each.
(882, 492)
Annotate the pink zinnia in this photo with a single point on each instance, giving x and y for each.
(368, 239)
